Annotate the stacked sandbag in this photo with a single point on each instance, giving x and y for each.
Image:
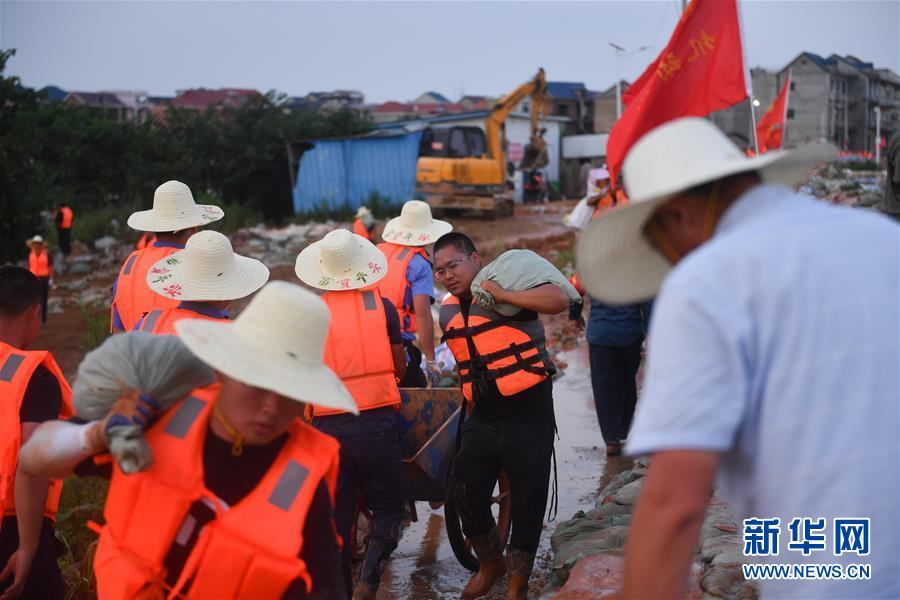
(160, 367)
(517, 270)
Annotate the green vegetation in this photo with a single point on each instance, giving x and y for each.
(51, 152)
(96, 327)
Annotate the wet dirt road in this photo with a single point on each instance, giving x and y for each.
(423, 566)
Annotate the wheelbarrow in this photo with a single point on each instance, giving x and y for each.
(428, 421)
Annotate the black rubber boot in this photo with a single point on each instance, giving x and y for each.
(377, 553)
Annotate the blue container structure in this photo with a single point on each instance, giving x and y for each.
(341, 172)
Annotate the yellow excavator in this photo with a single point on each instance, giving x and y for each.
(462, 170)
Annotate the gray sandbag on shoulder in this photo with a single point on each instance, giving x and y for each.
(159, 366)
(518, 270)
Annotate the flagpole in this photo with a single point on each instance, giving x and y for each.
(787, 103)
(747, 77)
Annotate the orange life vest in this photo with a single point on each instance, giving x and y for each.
(395, 284)
(146, 240)
(39, 264)
(360, 229)
(511, 353)
(134, 298)
(608, 201)
(16, 368)
(250, 550)
(67, 218)
(358, 349)
(161, 321)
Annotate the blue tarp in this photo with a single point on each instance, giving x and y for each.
(336, 173)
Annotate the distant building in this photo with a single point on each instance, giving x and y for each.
(573, 101)
(830, 99)
(329, 102)
(53, 93)
(605, 108)
(431, 98)
(101, 101)
(400, 111)
(203, 99)
(477, 102)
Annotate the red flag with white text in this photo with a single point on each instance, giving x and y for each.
(701, 70)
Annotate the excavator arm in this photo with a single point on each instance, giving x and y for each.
(537, 90)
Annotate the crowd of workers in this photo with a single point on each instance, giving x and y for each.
(772, 361)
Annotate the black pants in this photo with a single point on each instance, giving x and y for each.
(45, 292)
(371, 466)
(523, 450)
(45, 581)
(65, 240)
(414, 377)
(613, 371)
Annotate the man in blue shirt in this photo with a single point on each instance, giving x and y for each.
(772, 363)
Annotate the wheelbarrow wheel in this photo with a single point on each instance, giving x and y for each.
(462, 549)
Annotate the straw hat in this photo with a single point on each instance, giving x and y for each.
(174, 209)
(361, 212)
(341, 261)
(207, 269)
(35, 240)
(615, 261)
(276, 343)
(414, 226)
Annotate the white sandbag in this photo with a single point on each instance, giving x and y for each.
(159, 366)
(518, 270)
(580, 215)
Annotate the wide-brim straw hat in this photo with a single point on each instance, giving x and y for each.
(35, 240)
(415, 226)
(341, 261)
(616, 262)
(207, 270)
(276, 343)
(174, 209)
(361, 212)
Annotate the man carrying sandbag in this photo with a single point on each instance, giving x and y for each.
(205, 278)
(409, 285)
(238, 500)
(365, 349)
(505, 371)
(32, 390)
(174, 218)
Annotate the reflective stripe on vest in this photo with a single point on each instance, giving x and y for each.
(39, 264)
(67, 218)
(16, 369)
(358, 349)
(134, 298)
(395, 284)
(250, 550)
(162, 321)
(511, 353)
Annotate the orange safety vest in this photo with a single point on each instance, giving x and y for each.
(67, 218)
(134, 298)
(16, 368)
(358, 349)
(39, 264)
(608, 201)
(395, 283)
(250, 550)
(360, 229)
(511, 353)
(161, 321)
(146, 240)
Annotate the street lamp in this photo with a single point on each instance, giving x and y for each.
(878, 136)
(621, 53)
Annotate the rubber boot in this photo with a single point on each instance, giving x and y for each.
(491, 564)
(377, 553)
(518, 567)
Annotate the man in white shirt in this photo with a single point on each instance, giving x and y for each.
(773, 362)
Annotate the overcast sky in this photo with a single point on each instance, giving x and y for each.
(396, 50)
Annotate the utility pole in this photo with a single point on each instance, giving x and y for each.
(878, 136)
(621, 53)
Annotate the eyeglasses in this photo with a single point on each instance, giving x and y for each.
(451, 266)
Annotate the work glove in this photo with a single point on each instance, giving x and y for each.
(122, 428)
(433, 373)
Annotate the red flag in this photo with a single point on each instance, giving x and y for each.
(701, 70)
(770, 130)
